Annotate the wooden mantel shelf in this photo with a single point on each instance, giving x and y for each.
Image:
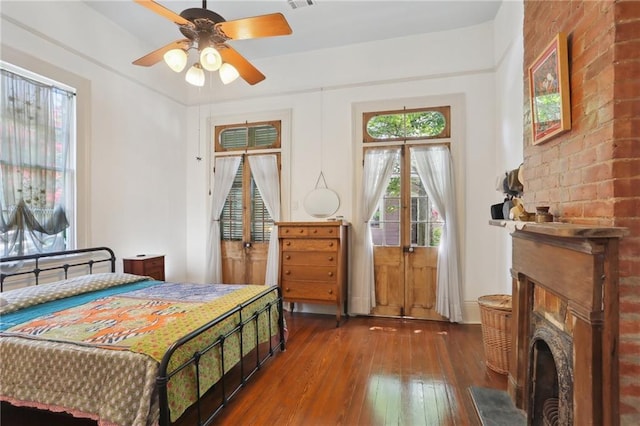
(559, 229)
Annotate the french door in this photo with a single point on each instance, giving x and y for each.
(406, 232)
(245, 222)
(245, 231)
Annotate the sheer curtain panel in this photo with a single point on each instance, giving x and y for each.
(37, 130)
(378, 165)
(265, 173)
(225, 171)
(434, 166)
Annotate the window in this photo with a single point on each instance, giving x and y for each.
(407, 124)
(254, 223)
(37, 166)
(247, 136)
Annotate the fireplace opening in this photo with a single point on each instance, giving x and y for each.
(551, 386)
(545, 386)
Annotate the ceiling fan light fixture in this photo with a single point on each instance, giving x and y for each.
(195, 75)
(228, 73)
(176, 59)
(210, 59)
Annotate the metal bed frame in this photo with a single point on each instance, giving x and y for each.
(247, 368)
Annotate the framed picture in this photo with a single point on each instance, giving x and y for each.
(549, 91)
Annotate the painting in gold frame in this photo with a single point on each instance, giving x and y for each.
(549, 91)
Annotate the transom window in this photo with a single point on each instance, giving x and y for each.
(246, 136)
(406, 124)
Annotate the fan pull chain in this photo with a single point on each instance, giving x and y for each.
(199, 157)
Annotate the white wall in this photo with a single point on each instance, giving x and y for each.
(509, 146)
(131, 168)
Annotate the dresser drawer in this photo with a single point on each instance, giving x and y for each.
(291, 244)
(309, 273)
(154, 263)
(156, 272)
(309, 258)
(293, 231)
(308, 231)
(293, 290)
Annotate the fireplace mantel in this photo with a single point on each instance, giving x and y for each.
(565, 284)
(561, 229)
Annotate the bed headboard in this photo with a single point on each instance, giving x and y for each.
(55, 262)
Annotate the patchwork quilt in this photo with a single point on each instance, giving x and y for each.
(92, 348)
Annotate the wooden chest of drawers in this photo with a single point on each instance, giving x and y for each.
(147, 265)
(313, 263)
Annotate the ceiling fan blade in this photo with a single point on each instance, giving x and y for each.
(156, 56)
(247, 71)
(163, 11)
(270, 25)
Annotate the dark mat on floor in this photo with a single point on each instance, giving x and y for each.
(495, 407)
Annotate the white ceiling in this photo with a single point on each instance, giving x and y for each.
(326, 24)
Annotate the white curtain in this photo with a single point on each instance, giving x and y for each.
(225, 171)
(378, 165)
(36, 144)
(265, 173)
(434, 166)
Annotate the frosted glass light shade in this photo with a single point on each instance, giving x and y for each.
(176, 59)
(195, 75)
(210, 59)
(228, 73)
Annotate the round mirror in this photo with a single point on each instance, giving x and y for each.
(321, 202)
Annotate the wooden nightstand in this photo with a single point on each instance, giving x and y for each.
(151, 265)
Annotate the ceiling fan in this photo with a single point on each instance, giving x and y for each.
(208, 32)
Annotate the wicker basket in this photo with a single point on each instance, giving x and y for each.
(495, 314)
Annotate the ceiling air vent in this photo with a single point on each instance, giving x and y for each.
(296, 4)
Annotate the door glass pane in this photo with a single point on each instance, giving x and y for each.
(385, 224)
(261, 221)
(426, 224)
(231, 217)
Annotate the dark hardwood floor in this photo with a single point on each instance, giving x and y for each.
(369, 371)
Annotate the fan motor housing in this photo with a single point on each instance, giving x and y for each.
(205, 22)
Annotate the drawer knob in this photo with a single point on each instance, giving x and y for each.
(315, 231)
(287, 289)
(287, 272)
(286, 231)
(331, 258)
(331, 244)
(302, 231)
(330, 291)
(330, 274)
(287, 257)
(288, 243)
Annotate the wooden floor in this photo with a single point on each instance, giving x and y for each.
(369, 371)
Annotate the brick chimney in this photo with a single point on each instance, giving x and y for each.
(591, 174)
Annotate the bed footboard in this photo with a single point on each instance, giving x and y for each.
(247, 368)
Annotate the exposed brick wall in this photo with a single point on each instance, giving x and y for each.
(591, 174)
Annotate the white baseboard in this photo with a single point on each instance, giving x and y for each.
(471, 312)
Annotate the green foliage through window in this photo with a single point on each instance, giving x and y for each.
(407, 124)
